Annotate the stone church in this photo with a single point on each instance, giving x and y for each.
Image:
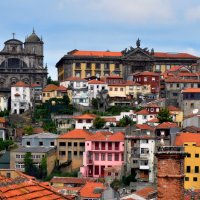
(22, 62)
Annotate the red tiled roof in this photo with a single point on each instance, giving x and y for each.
(2, 120)
(144, 127)
(146, 73)
(181, 138)
(173, 108)
(154, 120)
(188, 74)
(95, 82)
(173, 55)
(166, 125)
(85, 116)
(35, 85)
(88, 191)
(106, 136)
(20, 84)
(145, 192)
(191, 90)
(61, 88)
(96, 53)
(68, 180)
(174, 68)
(109, 119)
(75, 134)
(143, 112)
(179, 80)
(27, 189)
(75, 79)
(129, 82)
(152, 105)
(50, 87)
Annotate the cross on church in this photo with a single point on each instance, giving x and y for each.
(13, 35)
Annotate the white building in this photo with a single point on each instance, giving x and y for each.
(20, 98)
(143, 116)
(84, 121)
(3, 103)
(74, 83)
(95, 86)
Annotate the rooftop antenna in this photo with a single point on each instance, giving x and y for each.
(13, 35)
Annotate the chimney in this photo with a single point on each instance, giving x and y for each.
(170, 172)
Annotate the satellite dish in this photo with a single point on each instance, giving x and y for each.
(195, 111)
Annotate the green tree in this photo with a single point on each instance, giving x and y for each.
(164, 116)
(95, 103)
(99, 122)
(28, 130)
(43, 168)
(50, 81)
(125, 121)
(116, 184)
(49, 125)
(66, 99)
(5, 144)
(28, 163)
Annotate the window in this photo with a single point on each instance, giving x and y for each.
(52, 144)
(175, 94)
(28, 143)
(177, 85)
(116, 145)
(75, 153)
(75, 144)
(192, 105)
(157, 67)
(80, 121)
(37, 156)
(88, 121)
(144, 141)
(8, 175)
(116, 174)
(116, 157)
(196, 155)
(69, 144)
(188, 169)
(186, 178)
(97, 65)
(195, 179)
(40, 143)
(80, 153)
(78, 65)
(111, 89)
(96, 156)
(96, 170)
(167, 67)
(110, 157)
(88, 65)
(17, 156)
(103, 157)
(196, 169)
(171, 85)
(116, 89)
(109, 145)
(189, 155)
(62, 144)
(192, 85)
(144, 150)
(121, 89)
(62, 153)
(82, 144)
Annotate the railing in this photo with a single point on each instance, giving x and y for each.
(170, 148)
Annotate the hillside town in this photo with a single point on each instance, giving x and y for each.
(114, 125)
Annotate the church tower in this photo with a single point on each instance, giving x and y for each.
(34, 45)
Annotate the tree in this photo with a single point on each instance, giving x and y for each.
(28, 130)
(5, 144)
(43, 168)
(49, 126)
(125, 121)
(28, 163)
(164, 116)
(116, 184)
(95, 103)
(50, 81)
(98, 122)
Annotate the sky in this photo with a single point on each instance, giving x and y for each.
(165, 25)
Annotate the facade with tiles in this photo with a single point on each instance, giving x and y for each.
(102, 150)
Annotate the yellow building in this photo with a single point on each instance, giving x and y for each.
(71, 146)
(191, 142)
(177, 114)
(53, 91)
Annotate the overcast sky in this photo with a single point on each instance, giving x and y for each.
(165, 25)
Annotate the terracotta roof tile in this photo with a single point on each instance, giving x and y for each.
(166, 125)
(144, 127)
(179, 80)
(154, 120)
(96, 53)
(181, 138)
(173, 108)
(75, 134)
(2, 120)
(61, 88)
(69, 180)
(143, 112)
(191, 90)
(106, 136)
(88, 190)
(20, 84)
(146, 73)
(50, 87)
(109, 119)
(95, 82)
(173, 55)
(35, 85)
(85, 116)
(152, 105)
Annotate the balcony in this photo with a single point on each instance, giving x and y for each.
(145, 167)
(144, 155)
(135, 155)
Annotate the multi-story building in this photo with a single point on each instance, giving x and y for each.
(36, 93)
(20, 98)
(40, 145)
(190, 101)
(149, 78)
(177, 114)
(103, 63)
(143, 116)
(70, 149)
(190, 142)
(3, 130)
(102, 150)
(3, 103)
(53, 91)
(174, 86)
(139, 154)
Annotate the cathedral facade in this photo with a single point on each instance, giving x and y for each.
(22, 61)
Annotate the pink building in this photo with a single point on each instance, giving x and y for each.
(102, 150)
